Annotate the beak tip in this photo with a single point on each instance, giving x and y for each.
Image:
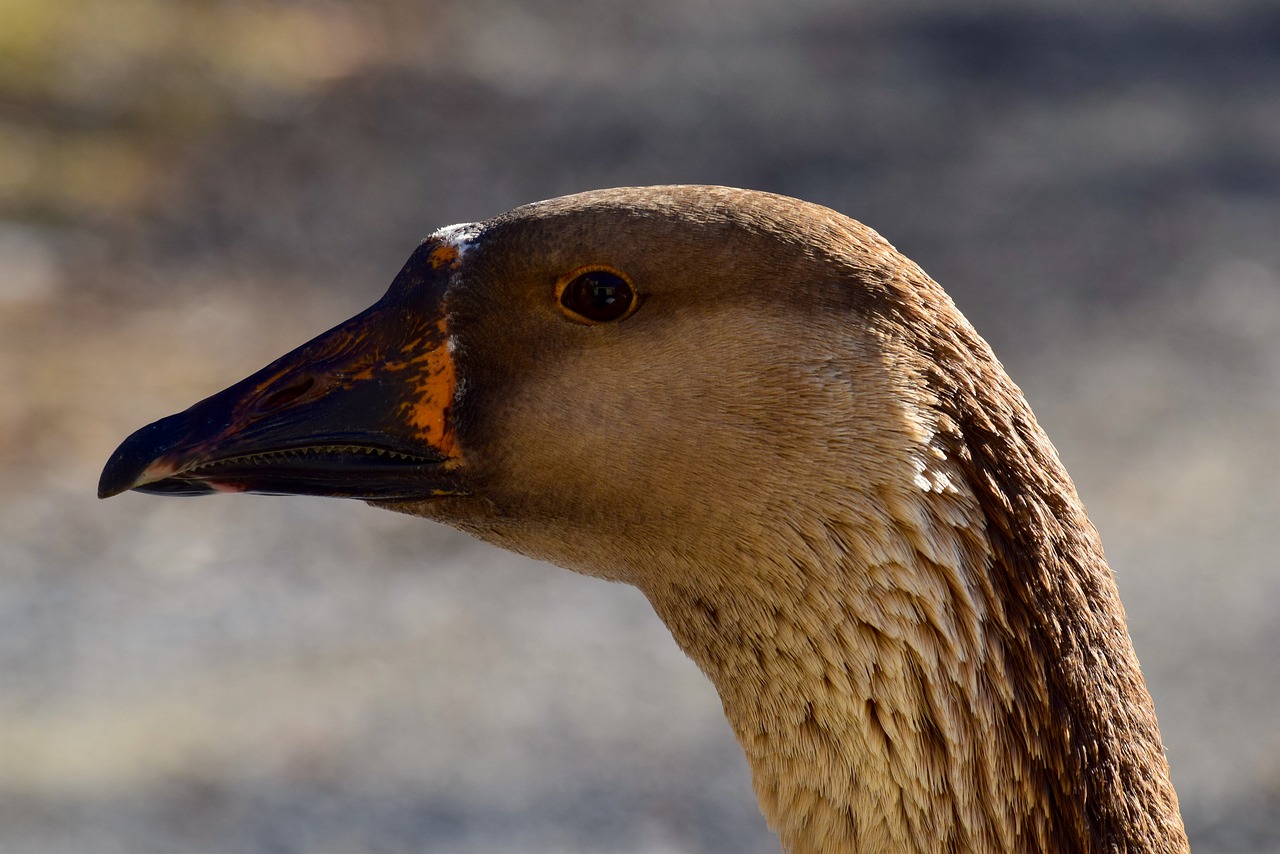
(137, 461)
(119, 475)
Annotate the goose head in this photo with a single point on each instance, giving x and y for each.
(785, 434)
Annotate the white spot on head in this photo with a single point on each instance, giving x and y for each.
(461, 236)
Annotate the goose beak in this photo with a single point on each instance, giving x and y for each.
(362, 411)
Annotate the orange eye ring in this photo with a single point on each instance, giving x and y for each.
(596, 294)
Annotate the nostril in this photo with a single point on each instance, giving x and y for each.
(288, 395)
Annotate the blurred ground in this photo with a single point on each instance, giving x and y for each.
(189, 189)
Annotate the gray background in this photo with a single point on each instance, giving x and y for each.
(187, 190)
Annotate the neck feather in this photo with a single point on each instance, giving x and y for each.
(941, 662)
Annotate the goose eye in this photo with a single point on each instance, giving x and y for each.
(597, 296)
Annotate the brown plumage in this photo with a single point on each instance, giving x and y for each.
(798, 449)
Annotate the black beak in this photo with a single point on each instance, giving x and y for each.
(362, 411)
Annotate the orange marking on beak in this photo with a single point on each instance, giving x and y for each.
(443, 256)
(430, 410)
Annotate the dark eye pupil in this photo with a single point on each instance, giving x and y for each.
(598, 296)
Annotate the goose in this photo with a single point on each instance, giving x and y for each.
(785, 434)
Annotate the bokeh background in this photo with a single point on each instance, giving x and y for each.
(188, 189)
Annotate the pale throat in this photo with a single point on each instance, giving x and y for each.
(861, 671)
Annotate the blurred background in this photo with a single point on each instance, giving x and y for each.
(189, 189)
